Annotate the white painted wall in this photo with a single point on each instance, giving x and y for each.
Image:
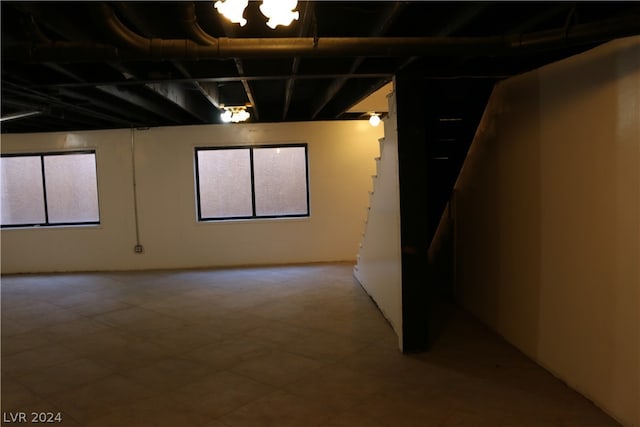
(547, 212)
(341, 162)
(379, 267)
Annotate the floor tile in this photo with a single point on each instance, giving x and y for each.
(221, 393)
(157, 411)
(324, 346)
(336, 387)
(15, 343)
(278, 409)
(15, 396)
(65, 376)
(257, 347)
(106, 395)
(277, 368)
(168, 374)
(36, 359)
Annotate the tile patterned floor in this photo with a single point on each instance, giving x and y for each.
(256, 347)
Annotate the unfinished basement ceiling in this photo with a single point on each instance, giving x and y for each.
(100, 65)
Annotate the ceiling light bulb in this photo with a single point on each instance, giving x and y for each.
(374, 120)
(232, 10)
(240, 116)
(279, 12)
(235, 114)
(226, 116)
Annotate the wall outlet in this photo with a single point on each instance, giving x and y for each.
(138, 249)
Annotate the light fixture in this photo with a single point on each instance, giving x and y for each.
(233, 10)
(279, 12)
(16, 116)
(374, 119)
(235, 114)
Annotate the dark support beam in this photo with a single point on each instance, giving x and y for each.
(413, 185)
(131, 96)
(174, 92)
(54, 18)
(207, 89)
(42, 101)
(288, 90)
(130, 91)
(181, 96)
(190, 25)
(468, 14)
(92, 97)
(226, 79)
(547, 13)
(196, 32)
(127, 94)
(35, 31)
(210, 91)
(436, 122)
(308, 17)
(247, 89)
(381, 27)
(60, 112)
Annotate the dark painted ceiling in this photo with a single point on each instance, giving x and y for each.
(101, 65)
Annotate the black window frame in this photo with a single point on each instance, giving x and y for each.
(47, 223)
(254, 215)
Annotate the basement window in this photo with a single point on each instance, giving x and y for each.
(49, 189)
(252, 182)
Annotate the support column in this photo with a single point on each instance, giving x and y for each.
(413, 184)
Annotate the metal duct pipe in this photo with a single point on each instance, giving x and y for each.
(120, 33)
(191, 26)
(263, 47)
(140, 48)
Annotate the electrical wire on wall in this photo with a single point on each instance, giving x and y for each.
(138, 248)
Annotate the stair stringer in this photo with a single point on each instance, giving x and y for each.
(378, 267)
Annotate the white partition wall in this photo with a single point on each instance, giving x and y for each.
(341, 162)
(547, 214)
(379, 267)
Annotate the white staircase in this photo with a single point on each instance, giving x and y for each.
(378, 267)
